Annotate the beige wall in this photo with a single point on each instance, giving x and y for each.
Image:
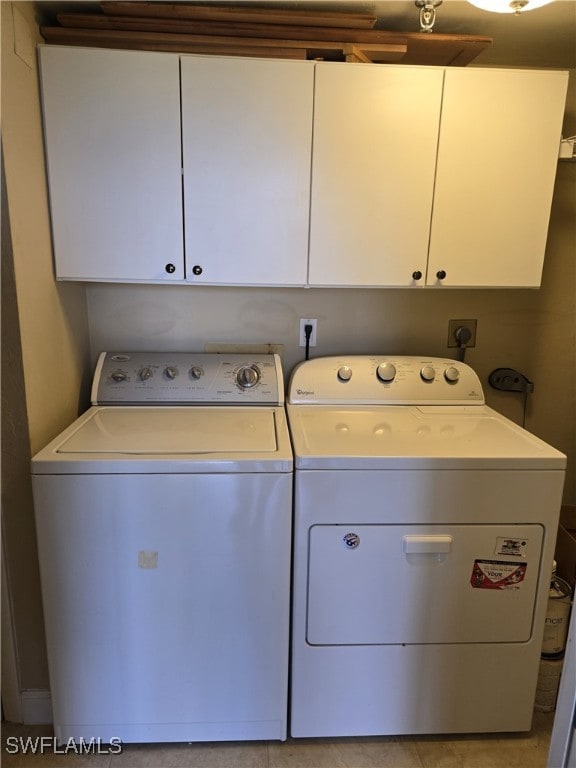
(44, 329)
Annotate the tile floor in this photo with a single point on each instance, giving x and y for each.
(528, 750)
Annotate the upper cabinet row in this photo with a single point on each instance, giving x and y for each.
(237, 171)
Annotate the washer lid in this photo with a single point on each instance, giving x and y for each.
(412, 437)
(165, 431)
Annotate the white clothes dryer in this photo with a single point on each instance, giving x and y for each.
(163, 518)
(425, 525)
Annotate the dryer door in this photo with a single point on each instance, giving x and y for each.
(414, 584)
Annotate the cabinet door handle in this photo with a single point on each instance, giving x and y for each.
(417, 275)
(441, 274)
(197, 269)
(170, 268)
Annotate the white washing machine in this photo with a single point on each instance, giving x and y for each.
(425, 525)
(163, 517)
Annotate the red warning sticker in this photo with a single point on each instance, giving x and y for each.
(497, 574)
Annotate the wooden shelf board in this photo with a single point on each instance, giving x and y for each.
(240, 14)
(237, 31)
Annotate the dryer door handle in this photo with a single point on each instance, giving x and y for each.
(427, 545)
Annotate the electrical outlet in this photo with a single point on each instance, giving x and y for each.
(303, 323)
(509, 380)
(454, 325)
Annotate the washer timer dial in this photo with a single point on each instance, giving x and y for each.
(248, 376)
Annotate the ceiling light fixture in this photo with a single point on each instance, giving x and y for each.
(509, 6)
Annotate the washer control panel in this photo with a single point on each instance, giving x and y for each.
(187, 378)
(371, 380)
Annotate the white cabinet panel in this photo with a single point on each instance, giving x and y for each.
(375, 140)
(497, 161)
(247, 134)
(112, 135)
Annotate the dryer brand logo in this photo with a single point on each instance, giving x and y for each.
(305, 392)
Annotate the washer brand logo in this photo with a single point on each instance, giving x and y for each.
(305, 392)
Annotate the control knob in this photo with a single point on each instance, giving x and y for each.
(145, 373)
(345, 373)
(452, 374)
(386, 371)
(170, 372)
(248, 376)
(119, 376)
(427, 373)
(196, 372)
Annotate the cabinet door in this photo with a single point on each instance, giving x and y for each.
(497, 160)
(375, 139)
(112, 135)
(247, 134)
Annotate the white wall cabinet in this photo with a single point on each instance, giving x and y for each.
(247, 140)
(375, 140)
(237, 171)
(112, 136)
(405, 196)
(497, 160)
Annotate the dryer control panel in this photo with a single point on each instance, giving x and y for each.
(158, 378)
(380, 380)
